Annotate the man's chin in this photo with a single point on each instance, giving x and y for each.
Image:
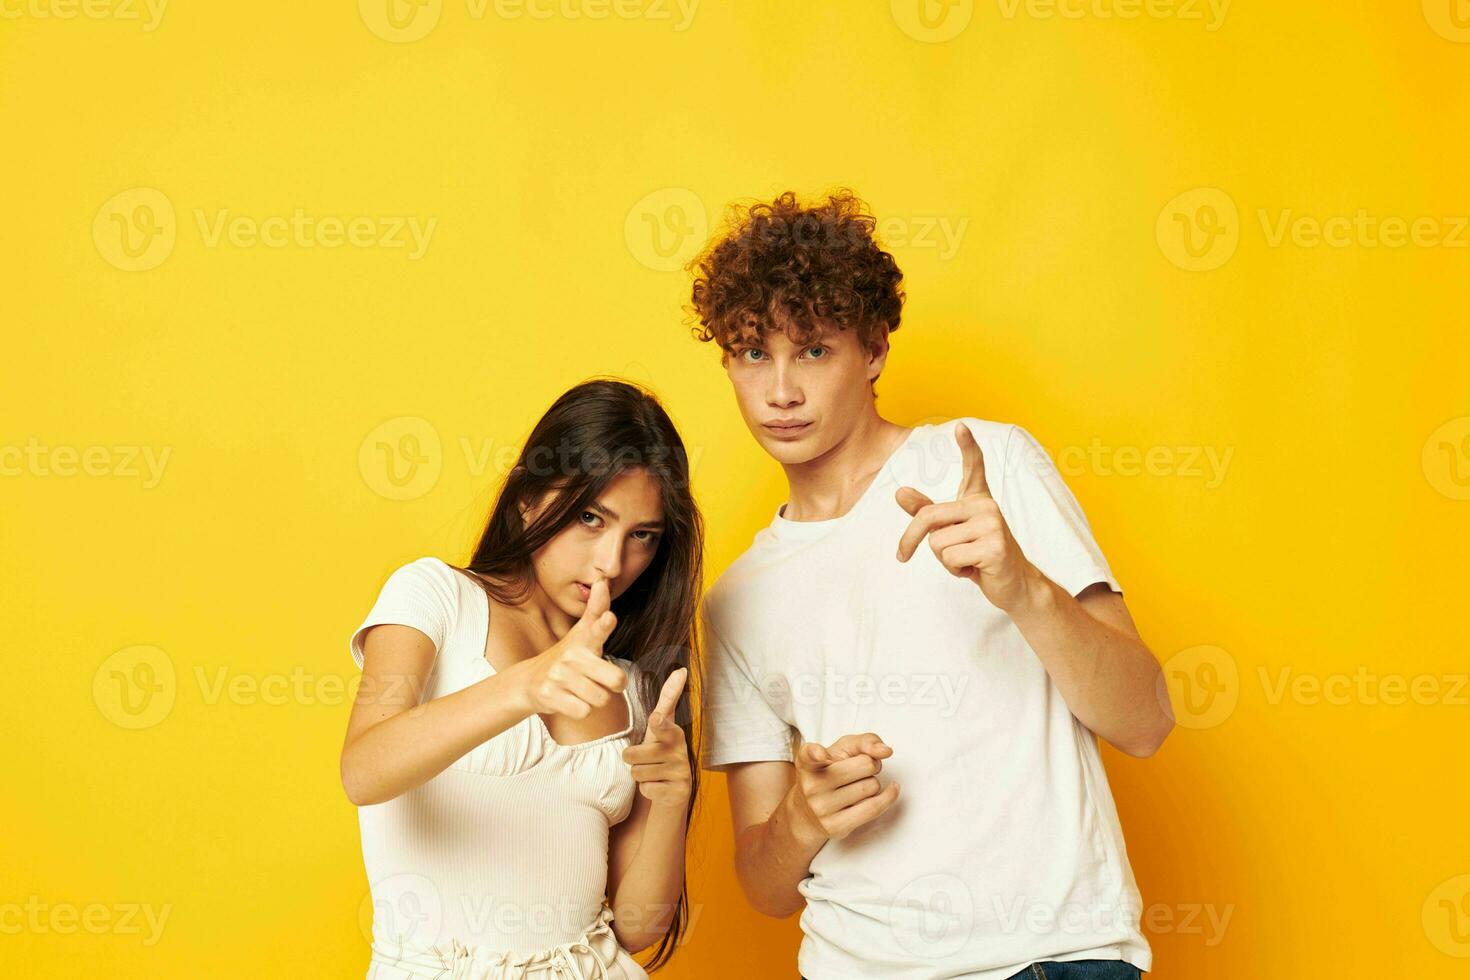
(791, 452)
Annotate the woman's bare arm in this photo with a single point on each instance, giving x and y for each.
(393, 742)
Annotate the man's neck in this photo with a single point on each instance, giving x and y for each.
(828, 485)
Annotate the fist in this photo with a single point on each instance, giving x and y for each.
(838, 783)
(571, 677)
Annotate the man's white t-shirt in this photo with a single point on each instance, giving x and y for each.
(1004, 846)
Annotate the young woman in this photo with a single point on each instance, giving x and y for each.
(520, 747)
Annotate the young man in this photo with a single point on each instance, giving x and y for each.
(928, 610)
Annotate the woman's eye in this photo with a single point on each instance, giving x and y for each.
(586, 514)
(649, 537)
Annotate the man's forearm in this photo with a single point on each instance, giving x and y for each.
(1109, 678)
(773, 857)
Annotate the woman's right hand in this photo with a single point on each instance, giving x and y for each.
(571, 677)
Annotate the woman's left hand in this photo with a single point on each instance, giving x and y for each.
(661, 762)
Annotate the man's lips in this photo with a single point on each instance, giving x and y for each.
(786, 428)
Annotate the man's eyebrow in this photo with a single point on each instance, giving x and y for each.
(608, 511)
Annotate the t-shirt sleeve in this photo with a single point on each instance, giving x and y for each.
(1045, 518)
(419, 594)
(739, 724)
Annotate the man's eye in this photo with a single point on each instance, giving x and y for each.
(751, 350)
(816, 349)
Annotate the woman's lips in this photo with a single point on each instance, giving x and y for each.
(584, 591)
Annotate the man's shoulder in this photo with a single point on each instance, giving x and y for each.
(935, 464)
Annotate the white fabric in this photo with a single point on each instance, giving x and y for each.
(1004, 847)
(496, 867)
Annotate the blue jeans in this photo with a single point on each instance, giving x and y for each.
(1080, 970)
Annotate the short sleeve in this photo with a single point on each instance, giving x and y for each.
(421, 594)
(739, 724)
(1045, 517)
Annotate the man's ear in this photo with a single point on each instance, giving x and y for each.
(877, 352)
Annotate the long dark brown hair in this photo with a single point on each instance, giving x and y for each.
(590, 435)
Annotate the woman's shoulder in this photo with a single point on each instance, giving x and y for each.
(428, 575)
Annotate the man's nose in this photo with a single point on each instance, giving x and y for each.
(784, 391)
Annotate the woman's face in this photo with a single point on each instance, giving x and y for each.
(615, 538)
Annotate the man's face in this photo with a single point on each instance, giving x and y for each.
(800, 400)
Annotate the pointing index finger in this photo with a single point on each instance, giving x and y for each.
(972, 478)
(668, 698)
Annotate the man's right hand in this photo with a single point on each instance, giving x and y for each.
(837, 785)
(571, 677)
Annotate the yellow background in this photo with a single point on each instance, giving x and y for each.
(569, 164)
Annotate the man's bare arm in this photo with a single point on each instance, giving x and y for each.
(783, 813)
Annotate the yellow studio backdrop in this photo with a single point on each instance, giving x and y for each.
(284, 286)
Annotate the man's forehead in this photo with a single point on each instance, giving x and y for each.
(791, 333)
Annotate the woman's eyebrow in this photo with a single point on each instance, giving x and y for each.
(609, 512)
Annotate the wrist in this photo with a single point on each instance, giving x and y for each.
(801, 823)
(517, 687)
(1039, 597)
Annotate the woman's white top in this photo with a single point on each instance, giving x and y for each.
(499, 863)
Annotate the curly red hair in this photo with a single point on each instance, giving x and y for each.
(798, 268)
